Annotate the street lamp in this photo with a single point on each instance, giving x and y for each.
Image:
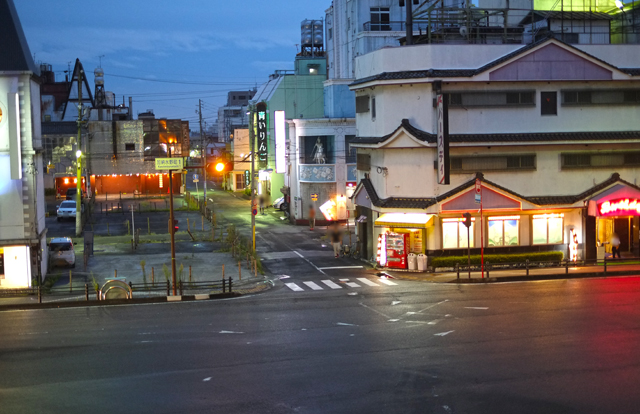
(79, 193)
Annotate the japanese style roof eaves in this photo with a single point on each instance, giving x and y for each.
(506, 137)
(425, 202)
(467, 73)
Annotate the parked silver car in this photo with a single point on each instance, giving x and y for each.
(68, 210)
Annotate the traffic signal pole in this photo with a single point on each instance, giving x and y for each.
(172, 230)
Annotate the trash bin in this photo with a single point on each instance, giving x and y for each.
(422, 262)
(412, 259)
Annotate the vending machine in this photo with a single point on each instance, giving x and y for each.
(397, 250)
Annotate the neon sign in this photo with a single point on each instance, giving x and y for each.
(622, 206)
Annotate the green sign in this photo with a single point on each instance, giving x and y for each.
(169, 163)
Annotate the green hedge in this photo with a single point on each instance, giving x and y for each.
(450, 261)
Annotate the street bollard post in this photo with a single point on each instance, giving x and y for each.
(488, 267)
(255, 267)
(168, 288)
(566, 267)
(230, 285)
(180, 286)
(39, 294)
(131, 287)
(202, 219)
(70, 282)
(224, 286)
(527, 266)
(240, 270)
(189, 273)
(457, 270)
(86, 292)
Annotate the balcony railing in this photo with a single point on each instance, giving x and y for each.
(384, 26)
(317, 173)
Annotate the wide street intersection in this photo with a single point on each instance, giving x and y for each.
(334, 345)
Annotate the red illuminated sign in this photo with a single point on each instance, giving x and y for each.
(623, 207)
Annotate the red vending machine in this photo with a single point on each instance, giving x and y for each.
(397, 250)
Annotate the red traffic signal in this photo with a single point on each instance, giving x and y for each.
(175, 226)
(467, 219)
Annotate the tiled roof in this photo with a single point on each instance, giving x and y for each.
(509, 137)
(565, 15)
(467, 73)
(425, 202)
(14, 50)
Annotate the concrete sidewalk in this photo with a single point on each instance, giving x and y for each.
(512, 275)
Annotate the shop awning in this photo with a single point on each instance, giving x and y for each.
(405, 220)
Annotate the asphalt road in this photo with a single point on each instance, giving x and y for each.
(546, 347)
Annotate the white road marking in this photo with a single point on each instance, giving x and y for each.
(394, 320)
(352, 293)
(395, 302)
(206, 379)
(308, 261)
(352, 284)
(345, 324)
(341, 267)
(312, 285)
(471, 307)
(331, 284)
(298, 254)
(367, 281)
(443, 333)
(294, 287)
(344, 280)
(376, 311)
(230, 332)
(433, 322)
(387, 282)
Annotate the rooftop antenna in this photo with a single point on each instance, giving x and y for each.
(100, 57)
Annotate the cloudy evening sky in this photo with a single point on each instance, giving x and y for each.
(206, 47)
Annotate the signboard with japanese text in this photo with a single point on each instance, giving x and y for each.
(443, 139)
(169, 164)
(247, 178)
(261, 130)
(478, 193)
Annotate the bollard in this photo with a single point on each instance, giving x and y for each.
(131, 287)
(180, 286)
(240, 270)
(189, 273)
(457, 270)
(223, 285)
(566, 267)
(488, 267)
(605, 265)
(86, 292)
(39, 294)
(527, 266)
(115, 273)
(223, 271)
(153, 278)
(168, 287)
(70, 282)
(230, 284)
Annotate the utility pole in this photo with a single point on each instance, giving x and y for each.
(172, 229)
(252, 142)
(203, 152)
(79, 161)
(409, 22)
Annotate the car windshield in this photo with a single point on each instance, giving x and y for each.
(68, 204)
(61, 247)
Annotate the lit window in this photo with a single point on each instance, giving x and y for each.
(75, 181)
(548, 229)
(454, 233)
(160, 181)
(503, 231)
(66, 181)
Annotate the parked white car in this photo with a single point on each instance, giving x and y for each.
(279, 204)
(68, 210)
(61, 252)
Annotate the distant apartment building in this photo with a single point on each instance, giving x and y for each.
(233, 115)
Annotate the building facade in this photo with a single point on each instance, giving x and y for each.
(23, 243)
(547, 131)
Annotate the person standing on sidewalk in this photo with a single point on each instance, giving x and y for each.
(615, 246)
(312, 217)
(335, 235)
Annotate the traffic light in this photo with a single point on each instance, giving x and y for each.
(467, 219)
(175, 226)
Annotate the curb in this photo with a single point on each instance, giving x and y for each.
(556, 276)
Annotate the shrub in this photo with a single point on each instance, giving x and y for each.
(247, 191)
(450, 261)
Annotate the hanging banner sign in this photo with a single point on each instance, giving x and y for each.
(261, 129)
(169, 164)
(443, 139)
(478, 194)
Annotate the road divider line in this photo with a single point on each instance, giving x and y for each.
(313, 286)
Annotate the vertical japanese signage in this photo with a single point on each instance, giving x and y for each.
(443, 139)
(261, 129)
(478, 193)
(280, 131)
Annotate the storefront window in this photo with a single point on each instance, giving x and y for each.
(503, 231)
(548, 229)
(454, 233)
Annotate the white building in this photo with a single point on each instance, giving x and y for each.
(550, 129)
(23, 248)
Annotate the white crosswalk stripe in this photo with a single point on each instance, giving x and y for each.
(387, 282)
(312, 285)
(367, 281)
(352, 284)
(294, 287)
(331, 284)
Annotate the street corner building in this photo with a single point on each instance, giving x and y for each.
(543, 137)
(22, 208)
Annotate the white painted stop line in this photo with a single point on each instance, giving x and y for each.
(367, 281)
(387, 282)
(294, 287)
(312, 285)
(331, 284)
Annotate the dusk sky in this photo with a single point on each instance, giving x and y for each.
(190, 49)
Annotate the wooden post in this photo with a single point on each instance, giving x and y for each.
(189, 273)
(86, 292)
(70, 281)
(115, 272)
(202, 219)
(222, 271)
(169, 226)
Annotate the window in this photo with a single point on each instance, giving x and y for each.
(373, 107)
(601, 97)
(380, 19)
(454, 233)
(349, 153)
(484, 99)
(503, 231)
(548, 229)
(130, 147)
(548, 103)
(497, 163)
(330, 33)
(574, 97)
(362, 104)
(600, 159)
(317, 150)
(239, 181)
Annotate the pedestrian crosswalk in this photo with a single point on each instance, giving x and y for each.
(358, 283)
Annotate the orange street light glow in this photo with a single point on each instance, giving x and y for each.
(219, 166)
